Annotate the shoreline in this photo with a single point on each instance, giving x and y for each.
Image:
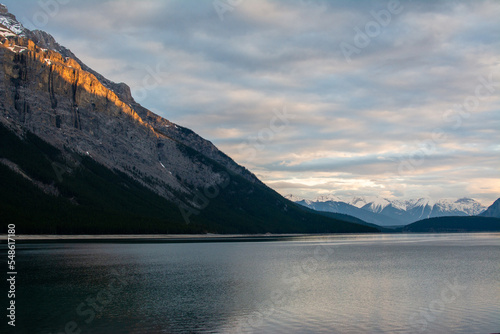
(141, 236)
(150, 238)
(174, 238)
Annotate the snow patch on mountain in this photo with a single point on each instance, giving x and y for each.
(9, 21)
(12, 25)
(328, 198)
(6, 32)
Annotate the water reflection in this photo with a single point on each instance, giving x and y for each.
(340, 284)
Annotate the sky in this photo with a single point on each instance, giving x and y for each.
(399, 99)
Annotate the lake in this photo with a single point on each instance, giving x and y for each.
(385, 283)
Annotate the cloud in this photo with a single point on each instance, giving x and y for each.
(358, 119)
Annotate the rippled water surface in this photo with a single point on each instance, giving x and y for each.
(432, 283)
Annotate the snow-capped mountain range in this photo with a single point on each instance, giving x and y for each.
(389, 212)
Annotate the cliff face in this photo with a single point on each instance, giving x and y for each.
(79, 155)
(47, 90)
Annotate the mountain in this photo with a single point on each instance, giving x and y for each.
(388, 212)
(79, 155)
(327, 204)
(493, 210)
(455, 224)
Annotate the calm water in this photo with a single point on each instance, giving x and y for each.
(332, 284)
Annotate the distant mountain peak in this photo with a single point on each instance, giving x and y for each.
(293, 198)
(493, 210)
(465, 200)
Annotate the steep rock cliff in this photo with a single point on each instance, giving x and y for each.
(50, 92)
